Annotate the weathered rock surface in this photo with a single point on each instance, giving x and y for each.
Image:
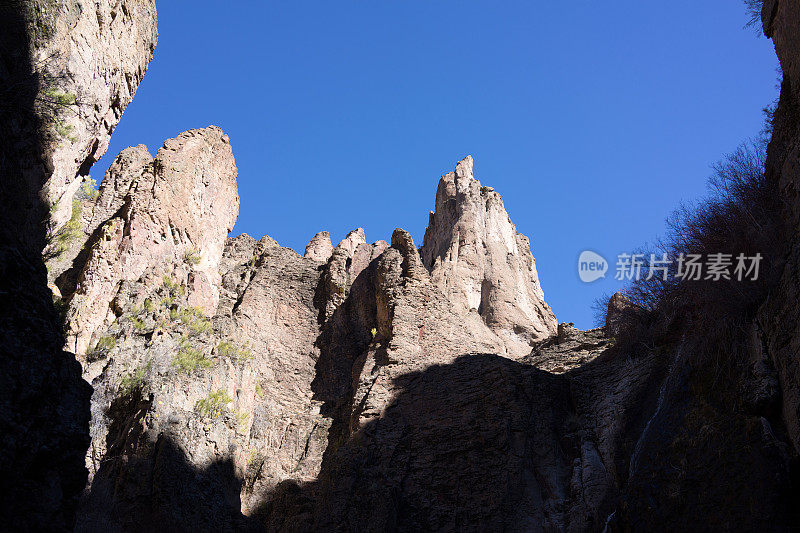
(779, 316)
(475, 254)
(618, 307)
(320, 247)
(229, 397)
(470, 441)
(298, 357)
(356, 394)
(97, 53)
(570, 348)
(174, 214)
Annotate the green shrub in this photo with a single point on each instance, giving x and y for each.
(59, 97)
(102, 348)
(109, 230)
(171, 285)
(214, 404)
(188, 359)
(255, 462)
(107, 343)
(195, 320)
(242, 417)
(234, 352)
(226, 349)
(65, 131)
(134, 380)
(72, 230)
(245, 353)
(89, 189)
(62, 307)
(149, 306)
(138, 324)
(259, 390)
(192, 256)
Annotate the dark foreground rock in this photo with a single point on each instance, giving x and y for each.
(67, 71)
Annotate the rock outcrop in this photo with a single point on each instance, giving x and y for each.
(362, 392)
(475, 254)
(96, 54)
(320, 247)
(251, 356)
(619, 308)
(779, 315)
(227, 397)
(173, 217)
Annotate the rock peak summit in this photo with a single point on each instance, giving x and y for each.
(476, 256)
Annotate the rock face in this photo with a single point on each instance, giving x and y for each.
(359, 393)
(67, 73)
(782, 24)
(475, 254)
(97, 54)
(619, 307)
(568, 350)
(775, 333)
(215, 409)
(320, 247)
(75, 68)
(174, 214)
(249, 356)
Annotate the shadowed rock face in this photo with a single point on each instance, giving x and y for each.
(779, 315)
(290, 359)
(476, 256)
(355, 394)
(66, 74)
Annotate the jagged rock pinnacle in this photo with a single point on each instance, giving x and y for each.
(168, 217)
(320, 247)
(476, 256)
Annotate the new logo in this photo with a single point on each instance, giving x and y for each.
(591, 266)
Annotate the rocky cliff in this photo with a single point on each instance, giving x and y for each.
(242, 353)
(357, 388)
(67, 71)
(235, 384)
(781, 342)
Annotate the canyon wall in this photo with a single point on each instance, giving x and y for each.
(67, 71)
(187, 379)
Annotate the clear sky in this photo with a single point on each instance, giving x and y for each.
(593, 120)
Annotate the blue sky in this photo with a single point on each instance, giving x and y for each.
(592, 119)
